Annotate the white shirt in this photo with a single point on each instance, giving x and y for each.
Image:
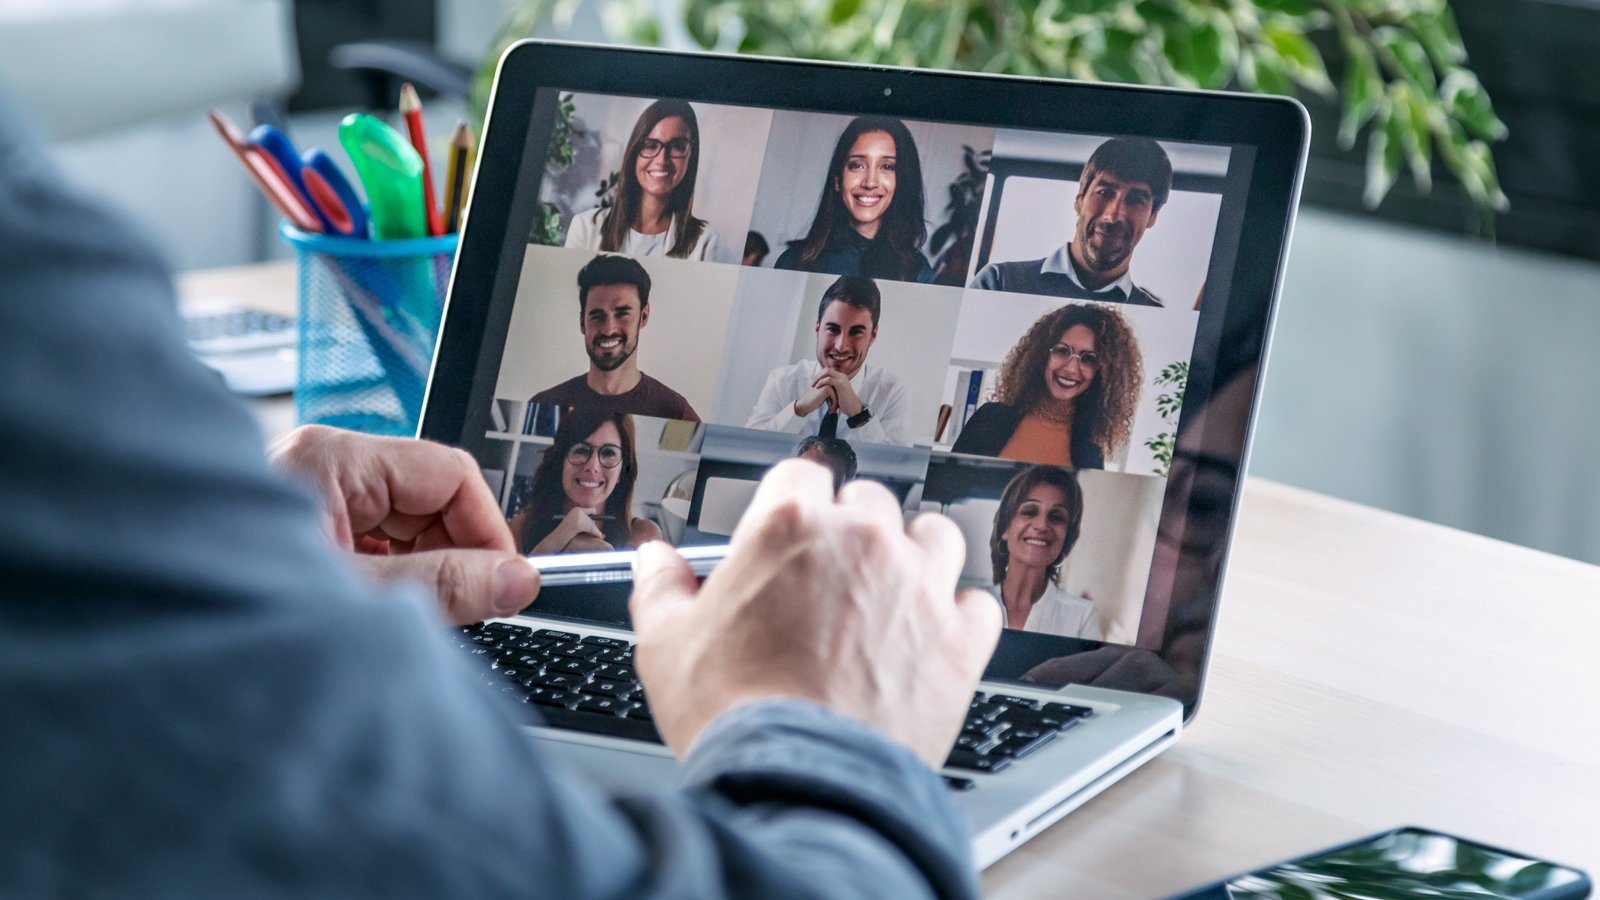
(584, 234)
(1061, 262)
(1059, 612)
(882, 393)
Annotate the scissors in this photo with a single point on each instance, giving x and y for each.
(268, 176)
(317, 179)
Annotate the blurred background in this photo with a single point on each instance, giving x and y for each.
(1439, 332)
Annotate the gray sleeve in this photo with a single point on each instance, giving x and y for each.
(201, 699)
(988, 278)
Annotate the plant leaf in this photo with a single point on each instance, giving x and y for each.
(1409, 56)
(1363, 90)
(1300, 58)
(1384, 156)
(1465, 99)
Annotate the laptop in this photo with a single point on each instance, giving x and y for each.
(1038, 307)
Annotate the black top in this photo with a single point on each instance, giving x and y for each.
(648, 398)
(987, 432)
(1029, 277)
(848, 253)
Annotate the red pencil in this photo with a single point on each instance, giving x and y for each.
(411, 109)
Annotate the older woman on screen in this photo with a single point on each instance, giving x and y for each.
(1067, 392)
(583, 489)
(651, 211)
(869, 218)
(1034, 530)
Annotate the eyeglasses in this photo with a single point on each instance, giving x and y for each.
(1086, 358)
(610, 454)
(677, 148)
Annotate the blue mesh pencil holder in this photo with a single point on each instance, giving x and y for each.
(369, 316)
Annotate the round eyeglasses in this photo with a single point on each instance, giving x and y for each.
(677, 148)
(1086, 358)
(610, 454)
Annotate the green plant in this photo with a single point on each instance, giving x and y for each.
(1175, 376)
(1405, 79)
(546, 227)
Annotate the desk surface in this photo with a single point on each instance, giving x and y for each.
(1369, 671)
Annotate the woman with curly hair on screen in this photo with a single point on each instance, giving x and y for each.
(1067, 392)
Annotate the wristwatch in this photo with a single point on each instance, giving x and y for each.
(860, 418)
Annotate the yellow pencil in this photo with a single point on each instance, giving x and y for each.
(455, 183)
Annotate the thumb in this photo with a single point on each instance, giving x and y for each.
(470, 585)
(981, 616)
(660, 577)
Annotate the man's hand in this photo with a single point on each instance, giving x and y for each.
(832, 601)
(810, 400)
(413, 510)
(837, 384)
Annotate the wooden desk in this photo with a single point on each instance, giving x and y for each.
(1369, 671)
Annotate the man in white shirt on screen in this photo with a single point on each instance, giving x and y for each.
(838, 394)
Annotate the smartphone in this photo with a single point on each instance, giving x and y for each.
(1405, 864)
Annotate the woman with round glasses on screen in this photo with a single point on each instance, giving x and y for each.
(651, 211)
(1040, 514)
(869, 219)
(582, 497)
(1067, 392)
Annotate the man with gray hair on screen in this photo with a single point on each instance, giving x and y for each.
(1120, 193)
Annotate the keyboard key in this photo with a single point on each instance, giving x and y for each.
(551, 697)
(1019, 746)
(515, 673)
(576, 666)
(1067, 709)
(966, 759)
(527, 643)
(973, 742)
(618, 657)
(609, 643)
(616, 673)
(984, 730)
(1015, 702)
(576, 650)
(556, 635)
(959, 784)
(639, 710)
(609, 705)
(979, 697)
(506, 629)
(601, 723)
(616, 689)
(530, 660)
(558, 680)
(985, 711)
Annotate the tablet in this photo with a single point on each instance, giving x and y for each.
(1038, 307)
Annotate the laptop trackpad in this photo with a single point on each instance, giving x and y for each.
(614, 766)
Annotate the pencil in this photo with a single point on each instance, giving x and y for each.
(411, 111)
(455, 186)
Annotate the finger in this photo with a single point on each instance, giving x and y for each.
(942, 543)
(407, 481)
(800, 483)
(873, 499)
(981, 617)
(660, 578)
(470, 585)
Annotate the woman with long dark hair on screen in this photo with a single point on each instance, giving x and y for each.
(1067, 392)
(1040, 514)
(652, 206)
(582, 497)
(869, 220)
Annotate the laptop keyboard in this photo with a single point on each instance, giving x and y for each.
(587, 684)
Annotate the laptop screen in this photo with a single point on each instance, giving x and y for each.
(995, 324)
(666, 295)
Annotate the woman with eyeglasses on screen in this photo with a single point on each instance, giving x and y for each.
(869, 219)
(1067, 392)
(1040, 515)
(651, 211)
(582, 498)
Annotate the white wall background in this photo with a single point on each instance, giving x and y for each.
(773, 325)
(680, 347)
(1439, 377)
(1111, 561)
(731, 141)
(798, 150)
(992, 322)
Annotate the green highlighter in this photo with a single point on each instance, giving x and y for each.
(391, 172)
